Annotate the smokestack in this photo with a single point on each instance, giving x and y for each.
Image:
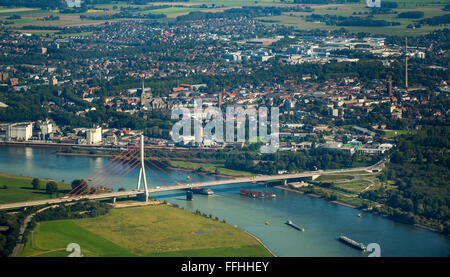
(389, 87)
(406, 62)
(220, 100)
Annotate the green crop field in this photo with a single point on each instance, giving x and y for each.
(174, 10)
(4, 10)
(19, 189)
(81, 34)
(394, 133)
(332, 178)
(296, 19)
(143, 231)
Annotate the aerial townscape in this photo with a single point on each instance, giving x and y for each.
(92, 165)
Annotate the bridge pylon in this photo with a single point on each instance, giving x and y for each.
(142, 170)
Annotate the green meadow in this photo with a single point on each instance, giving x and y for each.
(174, 10)
(52, 237)
(20, 189)
(394, 133)
(210, 168)
(143, 231)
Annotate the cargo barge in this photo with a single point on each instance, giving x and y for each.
(257, 194)
(203, 191)
(290, 223)
(352, 243)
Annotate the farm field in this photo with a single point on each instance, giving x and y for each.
(33, 17)
(297, 19)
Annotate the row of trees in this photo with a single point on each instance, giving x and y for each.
(245, 11)
(50, 187)
(80, 209)
(350, 20)
(411, 14)
(306, 160)
(436, 20)
(43, 4)
(9, 231)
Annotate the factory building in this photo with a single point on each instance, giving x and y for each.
(94, 135)
(19, 131)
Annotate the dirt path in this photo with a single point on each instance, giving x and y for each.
(372, 183)
(19, 246)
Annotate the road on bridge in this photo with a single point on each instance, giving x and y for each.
(258, 178)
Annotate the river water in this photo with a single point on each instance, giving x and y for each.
(324, 222)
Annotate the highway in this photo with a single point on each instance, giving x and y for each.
(258, 178)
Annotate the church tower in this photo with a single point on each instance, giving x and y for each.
(143, 96)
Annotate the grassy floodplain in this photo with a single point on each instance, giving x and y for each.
(346, 187)
(20, 189)
(143, 231)
(210, 168)
(52, 237)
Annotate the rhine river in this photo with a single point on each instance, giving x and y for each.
(324, 222)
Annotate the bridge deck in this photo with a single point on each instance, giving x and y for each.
(184, 186)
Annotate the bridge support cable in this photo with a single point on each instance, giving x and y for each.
(106, 172)
(131, 168)
(102, 169)
(191, 157)
(118, 169)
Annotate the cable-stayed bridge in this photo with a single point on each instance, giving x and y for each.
(100, 184)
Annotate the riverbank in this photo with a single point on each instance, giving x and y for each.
(85, 154)
(345, 204)
(40, 144)
(209, 168)
(206, 168)
(260, 242)
(180, 165)
(313, 195)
